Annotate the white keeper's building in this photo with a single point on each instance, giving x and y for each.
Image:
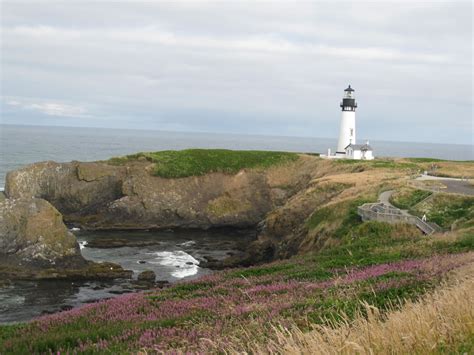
(347, 147)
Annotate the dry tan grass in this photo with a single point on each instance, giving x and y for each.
(449, 168)
(441, 321)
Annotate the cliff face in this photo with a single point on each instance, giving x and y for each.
(35, 244)
(101, 196)
(70, 187)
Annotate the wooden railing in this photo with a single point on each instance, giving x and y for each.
(385, 213)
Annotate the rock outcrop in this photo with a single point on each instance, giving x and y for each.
(71, 187)
(102, 196)
(147, 276)
(275, 200)
(32, 230)
(35, 243)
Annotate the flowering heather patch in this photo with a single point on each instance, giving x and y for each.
(222, 307)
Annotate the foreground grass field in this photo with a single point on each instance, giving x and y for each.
(373, 265)
(441, 322)
(196, 162)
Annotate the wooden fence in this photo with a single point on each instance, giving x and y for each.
(385, 213)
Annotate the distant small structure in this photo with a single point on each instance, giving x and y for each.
(359, 151)
(347, 147)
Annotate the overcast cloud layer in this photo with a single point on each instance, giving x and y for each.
(241, 67)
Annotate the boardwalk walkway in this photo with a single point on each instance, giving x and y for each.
(384, 211)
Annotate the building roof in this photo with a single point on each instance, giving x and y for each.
(349, 89)
(363, 147)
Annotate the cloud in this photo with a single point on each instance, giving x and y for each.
(48, 107)
(255, 43)
(240, 67)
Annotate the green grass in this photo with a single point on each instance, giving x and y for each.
(346, 212)
(406, 199)
(446, 209)
(380, 164)
(425, 160)
(260, 271)
(196, 162)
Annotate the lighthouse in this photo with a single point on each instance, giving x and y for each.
(347, 133)
(347, 148)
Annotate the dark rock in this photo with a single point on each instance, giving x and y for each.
(66, 307)
(162, 283)
(47, 312)
(105, 243)
(118, 292)
(141, 261)
(147, 275)
(5, 283)
(209, 258)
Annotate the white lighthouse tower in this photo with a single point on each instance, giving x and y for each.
(347, 133)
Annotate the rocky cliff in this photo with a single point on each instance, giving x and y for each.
(102, 196)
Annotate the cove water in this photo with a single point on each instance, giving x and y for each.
(21, 145)
(172, 255)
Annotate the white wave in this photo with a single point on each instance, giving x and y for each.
(2, 189)
(82, 244)
(184, 263)
(188, 243)
(75, 229)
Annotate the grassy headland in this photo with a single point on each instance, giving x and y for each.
(196, 162)
(342, 265)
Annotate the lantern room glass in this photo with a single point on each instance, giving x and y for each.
(348, 94)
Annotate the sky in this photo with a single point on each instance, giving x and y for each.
(250, 67)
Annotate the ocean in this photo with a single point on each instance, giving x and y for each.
(21, 145)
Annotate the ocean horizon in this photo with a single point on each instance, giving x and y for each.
(22, 144)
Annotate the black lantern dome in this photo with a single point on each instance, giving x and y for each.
(349, 88)
(348, 101)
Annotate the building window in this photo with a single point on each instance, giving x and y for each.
(352, 132)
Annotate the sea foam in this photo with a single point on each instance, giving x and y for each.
(184, 263)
